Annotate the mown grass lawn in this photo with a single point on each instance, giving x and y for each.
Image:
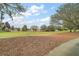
(16, 34)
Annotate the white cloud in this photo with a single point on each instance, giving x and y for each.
(38, 22)
(45, 19)
(20, 21)
(34, 10)
(27, 13)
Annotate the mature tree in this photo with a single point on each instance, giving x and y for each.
(10, 9)
(60, 28)
(2, 28)
(12, 27)
(69, 14)
(7, 25)
(43, 27)
(34, 28)
(18, 29)
(51, 28)
(24, 28)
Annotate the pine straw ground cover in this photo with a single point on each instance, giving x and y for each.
(33, 45)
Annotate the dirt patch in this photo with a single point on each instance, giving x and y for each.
(33, 45)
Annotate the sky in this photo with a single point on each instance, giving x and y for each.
(36, 14)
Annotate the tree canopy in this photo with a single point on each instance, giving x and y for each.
(24, 28)
(69, 14)
(10, 9)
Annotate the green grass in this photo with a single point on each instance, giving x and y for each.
(16, 34)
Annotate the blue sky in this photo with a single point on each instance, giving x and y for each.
(36, 14)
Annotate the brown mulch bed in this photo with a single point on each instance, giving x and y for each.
(33, 45)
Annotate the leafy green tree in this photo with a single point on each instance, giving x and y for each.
(69, 14)
(18, 29)
(43, 27)
(12, 27)
(34, 28)
(7, 27)
(2, 28)
(51, 28)
(24, 28)
(10, 9)
(60, 28)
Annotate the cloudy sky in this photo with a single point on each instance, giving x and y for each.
(36, 14)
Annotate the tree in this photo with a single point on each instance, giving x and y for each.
(7, 26)
(12, 28)
(34, 28)
(43, 27)
(51, 28)
(69, 14)
(18, 29)
(24, 28)
(60, 28)
(2, 27)
(10, 9)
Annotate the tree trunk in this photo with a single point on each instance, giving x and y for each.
(70, 30)
(1, 18)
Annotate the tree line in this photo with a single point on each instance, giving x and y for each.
(8, 28)
(65, 18)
